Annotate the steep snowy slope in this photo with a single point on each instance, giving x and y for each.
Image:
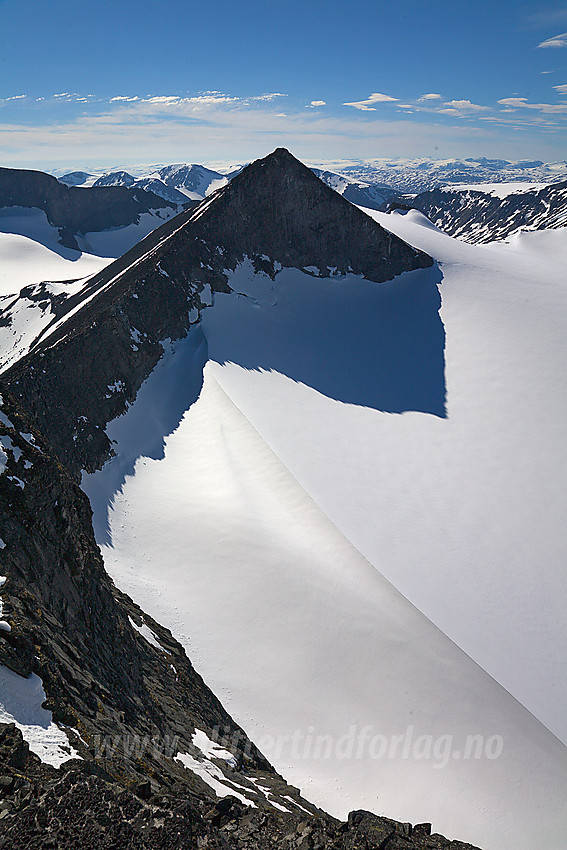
(283, 515)
(25, 261)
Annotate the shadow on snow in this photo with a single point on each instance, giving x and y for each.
(375, 345)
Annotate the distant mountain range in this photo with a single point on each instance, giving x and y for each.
(396, 175)
(420, 175)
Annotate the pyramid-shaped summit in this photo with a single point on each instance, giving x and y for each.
(276, 206)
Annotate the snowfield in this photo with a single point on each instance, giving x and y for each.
(359, 535)
(30, 250)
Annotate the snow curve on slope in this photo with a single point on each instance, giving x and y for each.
(482, 493)
(246, 550)
(305, 642)
(24, 261)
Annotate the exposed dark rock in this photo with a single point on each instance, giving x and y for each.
(75, 210)
(476, 216)
(81, 807)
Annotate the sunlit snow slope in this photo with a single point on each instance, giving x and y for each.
(284, 525)
(23, 262)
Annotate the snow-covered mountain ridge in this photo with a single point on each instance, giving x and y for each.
(75, 212)
(374, 183)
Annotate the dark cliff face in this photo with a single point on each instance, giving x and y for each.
(475, 216)
(275, 211)
(74, 209)
(279, 207)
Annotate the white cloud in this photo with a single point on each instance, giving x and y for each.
(523, 103)
(556, 41)
(431, 96)
(465, 106)
(162, 99)
(315, 103)
(217, 125)
(513, 101)
(561, 89)
(547, 17)
(366, 105)
(15, 97)
(269, 96)
(239, 132)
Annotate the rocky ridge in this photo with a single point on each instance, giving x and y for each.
(477, 216)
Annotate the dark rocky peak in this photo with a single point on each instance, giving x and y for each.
(277, 207)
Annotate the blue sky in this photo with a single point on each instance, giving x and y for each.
(106, 83)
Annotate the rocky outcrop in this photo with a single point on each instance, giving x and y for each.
(75, 210)
(84, 807)
(476, 216)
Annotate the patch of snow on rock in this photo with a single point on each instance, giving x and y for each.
(21, 703)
